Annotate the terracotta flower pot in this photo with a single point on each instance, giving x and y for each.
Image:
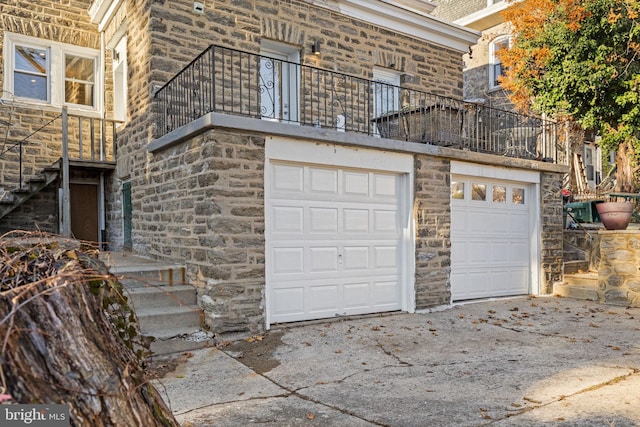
(615, 215)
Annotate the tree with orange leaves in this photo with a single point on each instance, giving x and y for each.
(580, 59)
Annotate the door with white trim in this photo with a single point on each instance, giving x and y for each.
(491, 232)
(334, 241)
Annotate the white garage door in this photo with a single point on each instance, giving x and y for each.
(333, 241)
(491, 236)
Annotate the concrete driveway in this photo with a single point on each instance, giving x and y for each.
(515, 362)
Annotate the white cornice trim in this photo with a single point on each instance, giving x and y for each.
(489, 14)
(423, 6)
(402, 19)
(101, 12)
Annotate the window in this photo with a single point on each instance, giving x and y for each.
(47, 72)
(386, 91)
(457, 190)
(495, 65)
(478, 192)
(499, 194)
(517, 196)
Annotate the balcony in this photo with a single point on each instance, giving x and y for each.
(233, 82)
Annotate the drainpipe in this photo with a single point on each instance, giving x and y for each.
(65, 223)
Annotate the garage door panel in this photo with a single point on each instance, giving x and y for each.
(288, 260)
(357, 295)
(385, 186)
(518, 223)
(356, 183)
(385, 221)
(477, 252)
(386, 292)
(500, 252)
(288, 178)
(356, 220)
(385, 257)
(477, 284)
(323, 298)
(356, 258)
(490, 240)
(288, 301)
(519, 252)
(323, 220)
(323, 181)
(287, 219)
(323, 259)
(337, 240)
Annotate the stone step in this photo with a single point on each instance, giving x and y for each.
(582, 279)
(153, 321)
(582, 286)
(151, 296)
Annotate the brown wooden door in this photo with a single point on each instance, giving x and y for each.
(84, 211)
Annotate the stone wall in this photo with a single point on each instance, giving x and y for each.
(40, 213)
(204, 206)
(476, 70)
(551, 255)
(433, 231)
(619, 268)
(166, 36)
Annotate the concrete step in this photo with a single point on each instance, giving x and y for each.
(151, 274)
(135, 267)
(582, 286)
(165, 305)
(153, 321)
(180, 343)
(147, 297)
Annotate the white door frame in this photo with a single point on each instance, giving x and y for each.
(285, 149)
(285, 80)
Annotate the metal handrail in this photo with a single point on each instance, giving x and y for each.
(89, 139)
(231, 81)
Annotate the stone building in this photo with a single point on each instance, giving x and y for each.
(482, 69)
(304, 159)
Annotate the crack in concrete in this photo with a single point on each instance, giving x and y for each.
(296, 393)
(619, 378)
(392, 355)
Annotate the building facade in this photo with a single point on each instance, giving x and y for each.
(307, 159)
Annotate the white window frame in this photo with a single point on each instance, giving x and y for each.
(494, 60)
(381, 93)
(120, 80)
(55, 72)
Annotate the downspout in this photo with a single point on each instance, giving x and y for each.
(65, 223)
(101, 187)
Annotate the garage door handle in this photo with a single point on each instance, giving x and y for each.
(339, 258)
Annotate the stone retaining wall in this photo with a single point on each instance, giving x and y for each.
(619, 268)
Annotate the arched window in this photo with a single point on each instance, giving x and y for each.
(495, 65)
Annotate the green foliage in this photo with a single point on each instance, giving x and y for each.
(591, 69)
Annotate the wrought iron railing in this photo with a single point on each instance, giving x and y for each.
(229, 81)
(88, 139)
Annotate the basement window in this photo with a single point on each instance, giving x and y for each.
(50, 73)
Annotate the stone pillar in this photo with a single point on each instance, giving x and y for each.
(619, 269)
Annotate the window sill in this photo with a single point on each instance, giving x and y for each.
(42, 106)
